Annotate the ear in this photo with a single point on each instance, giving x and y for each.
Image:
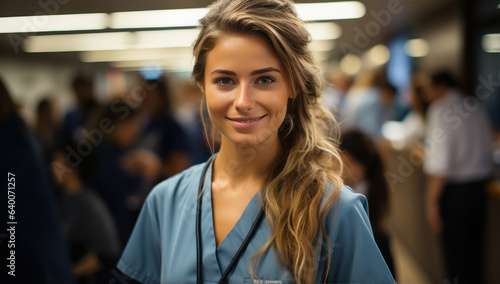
(202, 88)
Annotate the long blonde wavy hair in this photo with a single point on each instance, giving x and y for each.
(310, 160)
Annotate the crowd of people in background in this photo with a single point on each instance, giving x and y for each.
(101, 160)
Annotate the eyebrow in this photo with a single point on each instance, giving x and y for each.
(255, 72)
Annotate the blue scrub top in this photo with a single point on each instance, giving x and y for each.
(162, 248)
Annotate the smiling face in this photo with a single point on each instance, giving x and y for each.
(246, 89)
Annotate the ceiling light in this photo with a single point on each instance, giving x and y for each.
(157, 18)
(178, 64)
(167, 38)
(417, 47)
(46, 23)
(324, 31)
(378, 55)
(350, 64)
(134, 54)
(491, 43)
(330, 10)
(111, 41)
(322, 45)
(79, 42)
(190, 17)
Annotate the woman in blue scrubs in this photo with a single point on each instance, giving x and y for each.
(270, 207)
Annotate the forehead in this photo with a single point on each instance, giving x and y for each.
(244, 53)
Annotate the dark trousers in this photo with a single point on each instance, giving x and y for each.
(463, 212)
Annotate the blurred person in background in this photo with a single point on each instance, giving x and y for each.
(388, 101)
(87, 224)
(41, 254)
(414, 121)
(362, 108)
(188, 116)
(45, 127)
(337, 87)
(76, 118)
(410, 132)
(364, 173)
(123, 174)
(159, 131)
(458, 164)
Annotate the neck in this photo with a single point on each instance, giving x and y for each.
(239, 166)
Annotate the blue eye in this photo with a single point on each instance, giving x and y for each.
(265, 80)
(223, 81)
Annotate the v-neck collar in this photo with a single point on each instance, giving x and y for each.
(217, 258)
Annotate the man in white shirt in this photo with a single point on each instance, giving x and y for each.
(458, 163)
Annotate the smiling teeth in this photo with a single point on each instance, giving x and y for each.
(247, 121)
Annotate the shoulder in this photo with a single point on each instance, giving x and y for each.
(349, 207)
(356, 257)
(347, 198)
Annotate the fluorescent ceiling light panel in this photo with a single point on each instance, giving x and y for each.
(491, 43)
(167, 38)
(322, 45)
(111, 41)
(324, 31)
(134, 54)
(79, 42)
(190, 17)
(179, 64)
(48, 23)
(157, 18)
(330, 10)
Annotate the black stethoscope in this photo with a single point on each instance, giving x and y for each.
(236, 257)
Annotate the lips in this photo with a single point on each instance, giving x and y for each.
(246, 122)
(246, 119)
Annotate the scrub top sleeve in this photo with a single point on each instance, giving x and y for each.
(356, 257)
(141, 259)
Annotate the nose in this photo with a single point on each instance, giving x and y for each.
(244, 100)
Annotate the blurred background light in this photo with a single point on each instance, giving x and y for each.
(324, 31)
(417, 47)
(79, 42)
(48, 23)
(378, 55)
(111, 41)
(491, 43)
(134, 54)
(151, 72)
(330, 10)
(350, 64)
(322, 45)
(157, 18)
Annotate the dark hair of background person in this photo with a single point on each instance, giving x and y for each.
(43, 105)
(417, 92)
(445, 78)
(116, 112)
(7, 106)
(81, 80)
(85, 165)
(362, 148)
(162, 88)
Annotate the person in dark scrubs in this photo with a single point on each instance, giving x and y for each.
(35, 241)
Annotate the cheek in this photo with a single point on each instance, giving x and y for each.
(217, 104)
(278, 107)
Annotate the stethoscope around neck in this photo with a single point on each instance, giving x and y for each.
(244, 244)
